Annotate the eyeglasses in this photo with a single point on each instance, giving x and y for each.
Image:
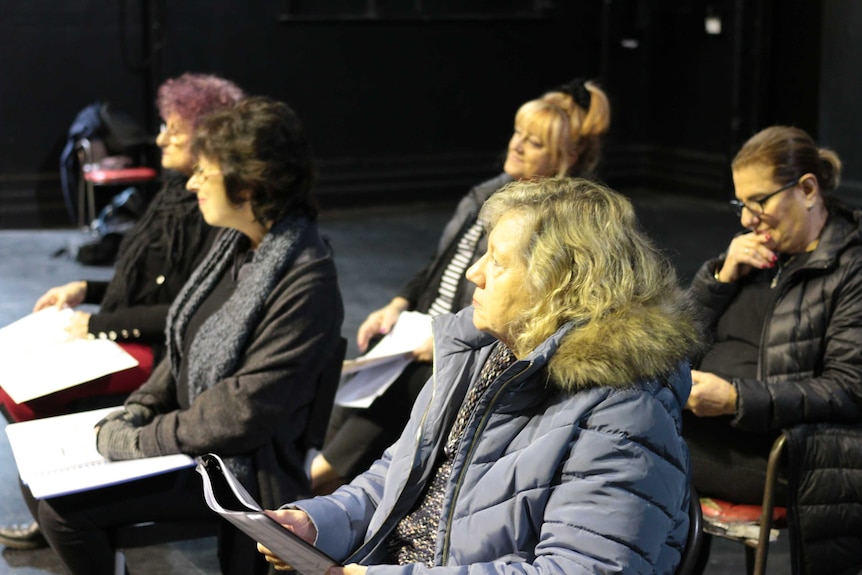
(171, 133)
(198, 172)
(756, 207)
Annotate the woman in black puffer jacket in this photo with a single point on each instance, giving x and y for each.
(784, 308)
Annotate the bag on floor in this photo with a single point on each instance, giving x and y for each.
(115, 219)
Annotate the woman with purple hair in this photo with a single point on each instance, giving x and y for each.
(154, 261)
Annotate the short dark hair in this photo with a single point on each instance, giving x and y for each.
(261, 147)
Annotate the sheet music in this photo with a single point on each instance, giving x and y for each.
(367, 377)
(38, 358)
(58, 455)
(235, 504)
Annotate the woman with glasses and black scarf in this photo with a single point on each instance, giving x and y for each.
(783, 306)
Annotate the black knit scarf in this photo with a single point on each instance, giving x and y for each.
(164, 221)
(220, 342)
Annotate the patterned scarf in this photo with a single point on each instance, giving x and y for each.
(414, 539)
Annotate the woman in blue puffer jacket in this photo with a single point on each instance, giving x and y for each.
(548, 439)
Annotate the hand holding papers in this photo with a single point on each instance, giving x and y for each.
(227, 497)
(365, 378)
(58, 456)
(38, 357)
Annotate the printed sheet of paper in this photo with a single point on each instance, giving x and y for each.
(38, 358)
(365, 378)
(57, 456)
(226, 496)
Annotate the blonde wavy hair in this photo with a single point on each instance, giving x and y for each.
(587, 257)
(570, 131)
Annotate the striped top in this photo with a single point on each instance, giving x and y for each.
(454, 273)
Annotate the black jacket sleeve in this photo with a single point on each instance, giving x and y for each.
(144, 323)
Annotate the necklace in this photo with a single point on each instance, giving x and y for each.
(782, 263)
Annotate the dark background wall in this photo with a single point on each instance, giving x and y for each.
(410, 101)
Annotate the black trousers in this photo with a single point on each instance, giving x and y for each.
(728, 463)
(77, 526)
(357, 437)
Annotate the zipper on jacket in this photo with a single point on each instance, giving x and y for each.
(444, 556)
(364, 549)
(783, 289)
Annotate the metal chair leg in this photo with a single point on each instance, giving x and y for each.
(768, 504)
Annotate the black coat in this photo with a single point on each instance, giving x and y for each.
(809, 380)
(156, 258)
(810, 365)
(825, 481)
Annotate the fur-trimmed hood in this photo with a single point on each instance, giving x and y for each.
(634, 344)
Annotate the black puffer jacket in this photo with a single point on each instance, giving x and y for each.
(810, 366)
(825, 473)
(810, 379)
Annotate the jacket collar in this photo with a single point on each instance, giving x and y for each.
(843, 228)
(635, 344)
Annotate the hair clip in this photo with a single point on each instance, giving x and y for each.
(577, 89)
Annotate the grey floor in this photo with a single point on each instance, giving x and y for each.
(376, 250)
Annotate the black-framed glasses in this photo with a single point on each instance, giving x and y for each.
(755, 207)
(199, 173)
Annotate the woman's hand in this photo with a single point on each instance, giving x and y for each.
(79, 325)
(425, 352)
(117, 440)
(746, 252)
(69, 295)
(294, 520)
(711, 395)
(380, 322)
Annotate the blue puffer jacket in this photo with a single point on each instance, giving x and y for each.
(572, 463)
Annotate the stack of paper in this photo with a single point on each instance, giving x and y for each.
(57, 456)
(38, 358)
(365, 378)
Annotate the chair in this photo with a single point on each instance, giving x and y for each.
(98, 170)
(756, 550)
(688, 561)
(155, 533)
(823, 464)
(148, 533)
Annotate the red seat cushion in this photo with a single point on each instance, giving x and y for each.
(728, 512)
(122, 176)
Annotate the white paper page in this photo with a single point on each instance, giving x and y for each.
(411, 330)
(359, 390)
(46, 327)
(104, 474)
(58, 456)
(369, 376)
(45, 445)
(38, 358)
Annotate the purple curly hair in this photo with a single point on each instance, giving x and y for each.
(192, 96)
